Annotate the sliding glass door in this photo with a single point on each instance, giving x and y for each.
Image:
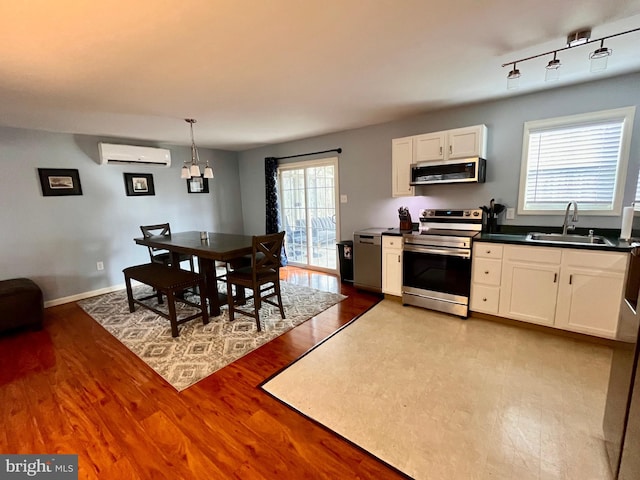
(308, 198)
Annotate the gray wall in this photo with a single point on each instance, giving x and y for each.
(56, 241)
(365, 163)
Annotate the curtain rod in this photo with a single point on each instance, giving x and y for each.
(338, 150)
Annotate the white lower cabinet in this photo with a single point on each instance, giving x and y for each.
(486, 271)
(530, 283)
(392, 265)
(572, 289)
(590, 292)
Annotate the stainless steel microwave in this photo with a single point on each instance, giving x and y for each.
(469, 170)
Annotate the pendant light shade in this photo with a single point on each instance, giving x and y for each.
(513, 79)
(599, 58)
(186, 173)
(553, 69)
(208, 172)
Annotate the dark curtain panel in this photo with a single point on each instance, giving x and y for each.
(272, 220)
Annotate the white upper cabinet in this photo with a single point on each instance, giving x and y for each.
(401, 160)
(451, 144)
(467, 142)
(430, 146)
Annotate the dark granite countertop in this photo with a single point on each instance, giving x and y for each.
(395, 232)
(517, 234)
(520, 239)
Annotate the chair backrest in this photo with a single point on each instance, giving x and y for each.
(148, 231)
(266, 252)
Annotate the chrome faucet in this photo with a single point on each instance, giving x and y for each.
(574, 217)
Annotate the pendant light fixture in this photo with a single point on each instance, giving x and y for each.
(552, 74)
(193, 169)
(575, 39)
(599, 57)
(513, 78)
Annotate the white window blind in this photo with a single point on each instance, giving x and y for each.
(578, 159)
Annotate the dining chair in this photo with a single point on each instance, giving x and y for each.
(159, 255)
(262, 277)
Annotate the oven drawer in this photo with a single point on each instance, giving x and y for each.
(487, 271)
(487, 250)
(484, 298)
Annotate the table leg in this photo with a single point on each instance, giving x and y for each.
(208, 268)
(175, 259)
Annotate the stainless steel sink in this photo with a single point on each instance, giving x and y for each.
(569, 239)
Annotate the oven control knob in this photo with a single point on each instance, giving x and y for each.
(475, 214)
(467, 213)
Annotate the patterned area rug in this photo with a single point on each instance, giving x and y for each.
(200, 349)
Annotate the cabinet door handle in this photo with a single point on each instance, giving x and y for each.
(398, 258)
(450, 149)
(570, 279)
(440, 150)
(555, 277)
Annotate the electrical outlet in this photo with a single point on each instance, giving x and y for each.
(343, 199)
(511, 213)
(100, 266)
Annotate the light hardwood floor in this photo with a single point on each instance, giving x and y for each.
(73, 388)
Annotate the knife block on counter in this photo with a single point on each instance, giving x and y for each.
(405, 223)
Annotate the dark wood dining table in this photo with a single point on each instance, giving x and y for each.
(221, 247)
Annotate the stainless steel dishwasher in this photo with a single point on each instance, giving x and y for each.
(367, 259)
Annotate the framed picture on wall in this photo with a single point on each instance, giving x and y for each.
(138, 184)
(56, 182)
(198, 184)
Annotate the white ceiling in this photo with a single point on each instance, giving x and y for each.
(255, 72)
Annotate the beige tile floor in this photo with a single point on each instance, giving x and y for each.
(443, 398)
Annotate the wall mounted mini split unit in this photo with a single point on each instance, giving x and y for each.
(111, 153)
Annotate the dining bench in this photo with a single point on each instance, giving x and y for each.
(171, 282)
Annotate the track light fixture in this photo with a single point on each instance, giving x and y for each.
(574, 39)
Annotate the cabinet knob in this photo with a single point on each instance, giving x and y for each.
(486, 272)
(488, 252)
(484, 299)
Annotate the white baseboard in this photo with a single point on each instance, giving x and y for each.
(82, 296)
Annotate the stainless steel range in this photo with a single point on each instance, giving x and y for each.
(436, 267)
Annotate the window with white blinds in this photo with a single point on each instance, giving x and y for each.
(582, 158)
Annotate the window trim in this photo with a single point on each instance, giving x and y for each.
(626, 113)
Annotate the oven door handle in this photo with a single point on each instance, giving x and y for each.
(447, 252)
